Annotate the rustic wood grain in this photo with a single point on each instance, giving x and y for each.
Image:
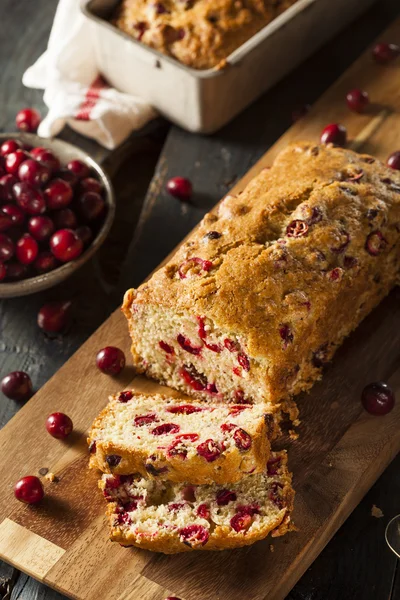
(338, 457)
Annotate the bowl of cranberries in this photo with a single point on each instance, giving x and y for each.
(56, 209)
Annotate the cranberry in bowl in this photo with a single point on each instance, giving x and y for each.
(42, 202)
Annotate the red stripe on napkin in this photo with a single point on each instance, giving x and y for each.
(91, 98)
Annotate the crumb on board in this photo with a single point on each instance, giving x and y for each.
(293, 434)
(43, 471)
(271, 548)
(51, 477)
(376, 512)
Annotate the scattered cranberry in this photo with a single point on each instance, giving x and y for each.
(45, 262)
(335, 133)
(66, 245)
(17, 386)
(394, 160)
(300, 112)
(184, 409)
(241, 522)
(3, 271)
(54, 317)
(9, 146)
(244, 361)
(47, 158)
(90, 184)
(193, 378)
(166, 347)
(29, 490)
(378, 398)
(14, 160)
(190, 263)
(125, 396)
(28, 119)
(203, 511)
(224, 497)
(113, 460)
(297, 228)
(65, 219)
(59, 425)
(242, 439)
(357, 100)
(375, 243)
(165, 429)
(79, 169)
(27, 249)
(29, 198)
(384, 53)
(142, 420)
(194, 535)
(7, 248)
(181, 188)
(209, 449)
(186, 345)
(33, 172)
(91, 206)
(41, 227)
(110, 360)
(58, 194)
(84, 233)
(15, 213)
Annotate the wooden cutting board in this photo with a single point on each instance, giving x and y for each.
(340, 453)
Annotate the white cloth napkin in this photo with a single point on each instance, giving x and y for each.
(74, 91)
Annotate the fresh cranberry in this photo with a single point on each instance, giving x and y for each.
(15, 213)
(184, 409)
(14, 160)
(3, 271)
(110, 360)
(29, 490)
(17, 386)
(165, 429)
(113, 460)
(33, 172)
(58, 194)
(335, 133)
(190, 263)
(65, 219)
(244, 361)
(9, 146)
(203, 511)
(5, 222)
(29, 198)
(79, 169)
(125, 396)
(166, 347)
(378, 398)
(27, 249)
(28, 119)
(59, 425)
(375, 243)
(241, 522)
(384, 53)
(394, 160)
(142, 420)
(16, 271)
(297, 228)
(181, 188)
(186, 345)
(54, 317)
(41, 227)
(7, 183)
(84, 233)
(209, 449)
(67, 176)
(225, 496)
(242, 439)
(66, 245)
(90, 184)
(357, 100)
(300, 112)
(45, 262)
(47, 158)
(90, 206)
(193, 378)
(194, 535)
(7, 248)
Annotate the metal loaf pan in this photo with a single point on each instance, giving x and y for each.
(203, 101)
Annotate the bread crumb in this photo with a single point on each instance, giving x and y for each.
(293, 434)
(376, 512)
(51, 477)
(43, 471)
(271, 548)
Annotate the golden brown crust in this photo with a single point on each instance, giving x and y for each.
(230, 467)
(292, 299)
(199, 33)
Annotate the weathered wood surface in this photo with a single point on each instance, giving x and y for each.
(356, 563)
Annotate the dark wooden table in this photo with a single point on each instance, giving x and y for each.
(356, 564)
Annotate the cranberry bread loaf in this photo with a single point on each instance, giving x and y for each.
(271, 282)
(161, 437)
(175, 517)
(198, 33)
